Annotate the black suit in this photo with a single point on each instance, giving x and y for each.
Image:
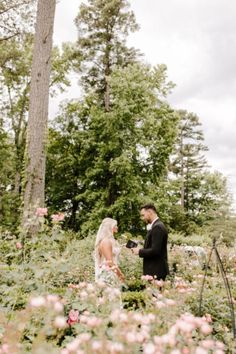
(154, 253)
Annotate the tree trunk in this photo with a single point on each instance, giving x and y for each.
(182, 173)
(107, 96)
(107, 62)
(35, 156)
(17, 183)
(74, 209)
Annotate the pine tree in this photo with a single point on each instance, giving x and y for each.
(114, 142)
(103, 27)
(188, 160)
(202, 194)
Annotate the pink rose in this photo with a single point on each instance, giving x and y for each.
(41, 211)
(73, 286)
(19, 245)
(206, 329)
(94, 322)
(60, 322)
(200, 350)
(147, 277)
(73, 317)
(38, 301)
(208, 344)
(58, 217)
(170, 302)
(159, 283)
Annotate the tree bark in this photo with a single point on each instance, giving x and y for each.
(107, 62)
(182, 173)
(35, 155)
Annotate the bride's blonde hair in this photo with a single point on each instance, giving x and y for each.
(105, 231)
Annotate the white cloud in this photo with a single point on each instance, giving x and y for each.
(196, 40)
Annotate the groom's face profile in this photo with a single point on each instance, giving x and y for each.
(145, 215)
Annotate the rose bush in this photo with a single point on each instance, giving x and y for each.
(50, 304)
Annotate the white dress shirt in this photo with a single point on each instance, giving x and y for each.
(149, 226)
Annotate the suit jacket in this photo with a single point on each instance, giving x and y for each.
(154, 253)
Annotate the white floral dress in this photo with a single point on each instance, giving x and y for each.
(106, 273)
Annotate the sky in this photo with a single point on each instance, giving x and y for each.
(196, 39)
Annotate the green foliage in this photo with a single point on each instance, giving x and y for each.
(62, 63)
(203, 195)
(46, 264)
(135, 285)
(110, 158)
(58, 263)
(223, 228)
(15, 80)
(107, 154)
(119, 146)
(103, 28)
(133, 300)
(215, 303)
(15, 67)
(9, 201)
(191, 240)
(63, 171)
(134, 271)
(210, 199)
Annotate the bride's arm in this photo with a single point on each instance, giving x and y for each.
(106, 250)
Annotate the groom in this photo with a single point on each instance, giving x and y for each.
(154, 253)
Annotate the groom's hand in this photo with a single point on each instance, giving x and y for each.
(135, 250)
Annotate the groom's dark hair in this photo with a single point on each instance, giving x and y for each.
(149, 206)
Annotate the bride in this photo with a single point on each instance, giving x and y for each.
(106, 254)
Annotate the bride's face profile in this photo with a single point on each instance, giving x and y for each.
(114, 229)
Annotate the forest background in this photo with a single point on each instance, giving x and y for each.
(116, 146)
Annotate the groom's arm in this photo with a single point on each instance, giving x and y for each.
(158, 236)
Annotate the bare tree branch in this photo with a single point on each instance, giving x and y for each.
(9, 37)
(14, 6)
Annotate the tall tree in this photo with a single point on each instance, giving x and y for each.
(119, 137)
(210, 198)
(202, 194)
(111, 158)
(188, 159)
(14, 88)
(8, 215)
(103, 27)
(35, 156)
(15, 81)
